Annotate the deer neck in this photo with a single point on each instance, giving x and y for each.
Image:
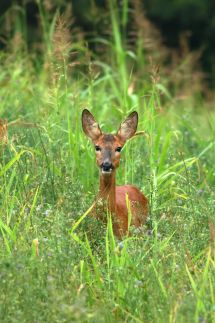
(107, 190)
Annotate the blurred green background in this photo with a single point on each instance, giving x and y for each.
(178, 21)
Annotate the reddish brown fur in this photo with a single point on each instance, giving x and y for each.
(110, 196)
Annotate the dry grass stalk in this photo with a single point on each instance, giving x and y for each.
(48, 5)
(64, 38)
(61, 39)
(24, 124)
(3, 132)
(61, 47)
(57, 57)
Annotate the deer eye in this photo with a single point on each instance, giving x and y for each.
(118, 149)
(97, 148)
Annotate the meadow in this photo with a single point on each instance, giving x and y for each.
(58, 263)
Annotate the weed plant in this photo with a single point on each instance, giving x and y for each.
(57, 263)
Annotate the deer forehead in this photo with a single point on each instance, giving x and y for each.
(109, 140)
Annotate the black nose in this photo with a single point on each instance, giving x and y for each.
(106, 166)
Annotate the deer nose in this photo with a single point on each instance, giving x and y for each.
(107, 166)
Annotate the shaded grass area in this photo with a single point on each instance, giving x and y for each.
(54, 268)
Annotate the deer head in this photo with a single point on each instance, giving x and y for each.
(108, 146)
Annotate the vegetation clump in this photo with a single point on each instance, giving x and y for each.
(59, 264)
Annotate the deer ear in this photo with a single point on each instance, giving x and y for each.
(128, 127)
(90, 126)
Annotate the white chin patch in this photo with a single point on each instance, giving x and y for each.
(107, 172)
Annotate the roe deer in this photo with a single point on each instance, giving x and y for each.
(112, 197)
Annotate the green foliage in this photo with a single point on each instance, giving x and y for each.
(57, 263)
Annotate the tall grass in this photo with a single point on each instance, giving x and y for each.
(57, 262)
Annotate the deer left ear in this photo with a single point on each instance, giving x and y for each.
(128, 127)
(90, 126)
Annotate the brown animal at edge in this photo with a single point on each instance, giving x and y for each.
(108, 150)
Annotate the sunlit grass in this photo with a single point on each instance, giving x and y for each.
(57, 263)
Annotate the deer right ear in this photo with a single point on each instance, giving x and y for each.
(90, 126)
(128, 128)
